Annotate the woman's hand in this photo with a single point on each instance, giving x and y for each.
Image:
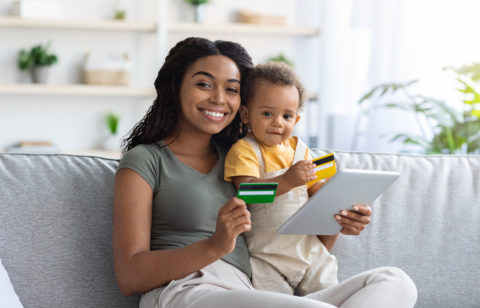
(354, 221)
(233, 219)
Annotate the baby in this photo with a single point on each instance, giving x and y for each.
(271, 99)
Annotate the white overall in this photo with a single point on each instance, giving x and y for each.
(283, 263)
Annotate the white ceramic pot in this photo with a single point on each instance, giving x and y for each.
(199, 13)
(111, 143)
(39, 74)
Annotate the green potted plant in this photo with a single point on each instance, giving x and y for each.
(450, 130)
(281, 58)
(37, 60)
(198, 9)
(119, 13)
(111, 142)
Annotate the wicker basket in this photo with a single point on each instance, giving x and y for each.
(248, 17)
(104, 77)
(112, 70)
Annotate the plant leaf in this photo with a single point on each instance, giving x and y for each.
(384, 88)
(469, 90)
(411, 139)
(112, 122)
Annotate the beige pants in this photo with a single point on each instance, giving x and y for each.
(282, 263)
(221, 285)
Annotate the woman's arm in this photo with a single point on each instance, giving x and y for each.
(137, 268)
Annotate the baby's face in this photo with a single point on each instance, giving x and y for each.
(271, 112)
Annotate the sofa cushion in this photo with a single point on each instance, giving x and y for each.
(56, 230)
(426, 223)
(8, 297)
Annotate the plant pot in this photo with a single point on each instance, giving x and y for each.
(199, 13)
(39, 74)
(111, 143)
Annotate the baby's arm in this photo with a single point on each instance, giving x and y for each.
(299, 174)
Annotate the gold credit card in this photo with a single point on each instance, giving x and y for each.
(326, 167)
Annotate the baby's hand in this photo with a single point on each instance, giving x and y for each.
(300, 173)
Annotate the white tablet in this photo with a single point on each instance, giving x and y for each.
(346, 188)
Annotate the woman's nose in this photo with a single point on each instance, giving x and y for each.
(218, 97)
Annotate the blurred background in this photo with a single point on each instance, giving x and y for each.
(381, 75)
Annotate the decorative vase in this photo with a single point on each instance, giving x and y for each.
(39, 74)
(199, 13)
(111, 143)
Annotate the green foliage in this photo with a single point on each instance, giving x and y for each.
(281, 58)
(453, 130)
(38, 55)
(112, 122)
(119, 15)
(197, 2)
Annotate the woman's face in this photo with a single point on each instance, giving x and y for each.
(209, 95)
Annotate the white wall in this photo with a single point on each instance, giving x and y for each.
(77, 123)
(73, 122)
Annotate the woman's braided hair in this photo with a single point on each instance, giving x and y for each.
(161, 120)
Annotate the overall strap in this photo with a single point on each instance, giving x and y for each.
(256, 149)
(299, 151)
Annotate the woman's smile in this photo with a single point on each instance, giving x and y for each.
(214, 115)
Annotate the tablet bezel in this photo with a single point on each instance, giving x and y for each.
(346, 188)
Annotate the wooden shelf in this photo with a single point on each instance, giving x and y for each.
(238, 28)
(108, 25)
(75, 89)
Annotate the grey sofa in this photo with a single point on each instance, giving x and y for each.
(56, 225)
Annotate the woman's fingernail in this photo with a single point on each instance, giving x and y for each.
(355, 208)
(344, 213)
(338, 218)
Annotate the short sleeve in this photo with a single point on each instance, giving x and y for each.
(241, 160)
(143, 162)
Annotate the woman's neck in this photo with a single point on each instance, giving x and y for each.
(196, 151)
(181, 143)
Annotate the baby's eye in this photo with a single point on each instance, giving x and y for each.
(267, 114)
(287, 116)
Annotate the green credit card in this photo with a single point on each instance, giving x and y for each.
(257, 192)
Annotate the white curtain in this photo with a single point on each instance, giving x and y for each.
(370, 42)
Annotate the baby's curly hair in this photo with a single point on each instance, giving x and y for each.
(277, 73)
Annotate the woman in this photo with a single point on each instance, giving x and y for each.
(177, 225)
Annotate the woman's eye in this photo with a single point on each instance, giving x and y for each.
(204, 85)
(232, 90)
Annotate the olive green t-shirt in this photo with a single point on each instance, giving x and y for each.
(185, 202)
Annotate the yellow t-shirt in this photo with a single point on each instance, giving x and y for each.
(241, 160)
